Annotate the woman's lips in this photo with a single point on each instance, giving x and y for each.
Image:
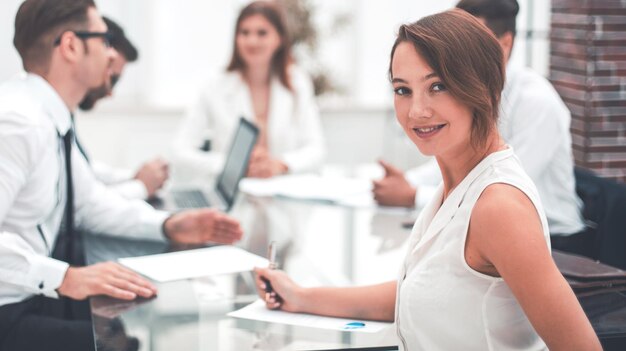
(426, 132)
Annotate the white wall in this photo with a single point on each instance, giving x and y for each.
(180, 42)
(9, 59)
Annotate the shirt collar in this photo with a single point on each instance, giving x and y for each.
(512, 70)
(51, 101)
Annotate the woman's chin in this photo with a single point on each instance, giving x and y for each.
(426, 150)
(257, 62)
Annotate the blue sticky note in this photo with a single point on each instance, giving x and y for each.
(354, 325)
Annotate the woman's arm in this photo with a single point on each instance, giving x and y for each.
(312, 150)
(511, 244)
(373, 302)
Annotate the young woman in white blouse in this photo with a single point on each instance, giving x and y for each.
(478, 274)
(263, 85)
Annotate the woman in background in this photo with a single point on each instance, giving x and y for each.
(263, 85)
(478, 274)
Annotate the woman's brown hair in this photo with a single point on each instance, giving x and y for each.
(273, 13)
(467, 58)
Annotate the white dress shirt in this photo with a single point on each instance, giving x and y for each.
(33, 119)
(444, 304)
(294, 133)
(119, 180)
(535, 121)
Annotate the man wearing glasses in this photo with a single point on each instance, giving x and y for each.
(47, 189)
(152, 175)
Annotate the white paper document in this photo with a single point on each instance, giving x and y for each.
(194, 263)
(333, 189)
(258, 311)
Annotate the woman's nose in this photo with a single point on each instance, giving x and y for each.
(419, 108)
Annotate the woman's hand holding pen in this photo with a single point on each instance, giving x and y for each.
(286, 295)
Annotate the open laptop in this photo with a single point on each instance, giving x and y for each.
(227, 183)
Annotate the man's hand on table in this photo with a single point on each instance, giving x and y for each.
(107, 278)
(202, 226)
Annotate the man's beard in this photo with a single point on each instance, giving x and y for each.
(93, 95)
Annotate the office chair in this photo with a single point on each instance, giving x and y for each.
(605, 214)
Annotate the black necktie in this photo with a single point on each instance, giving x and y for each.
(64, 249)
(66, 242)
(69, 203)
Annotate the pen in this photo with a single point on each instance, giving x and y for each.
(271, 256)
(354, 325)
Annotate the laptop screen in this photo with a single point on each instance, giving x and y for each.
(237, 161)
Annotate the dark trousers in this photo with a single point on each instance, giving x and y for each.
(42, 324)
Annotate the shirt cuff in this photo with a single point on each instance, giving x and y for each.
(46, 275)
(424, 194)
(152, 225)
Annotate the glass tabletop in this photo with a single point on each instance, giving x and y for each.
(317, 244)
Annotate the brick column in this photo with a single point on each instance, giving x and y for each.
(588, 69)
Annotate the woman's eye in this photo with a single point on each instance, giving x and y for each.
(262, 33)
(243, 32)
(438, 87)
(401, 91)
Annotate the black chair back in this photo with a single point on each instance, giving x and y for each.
(605, 212)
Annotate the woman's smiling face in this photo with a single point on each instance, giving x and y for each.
(432, 118)
(257, 41)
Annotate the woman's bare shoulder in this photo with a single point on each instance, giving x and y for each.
(504, 215)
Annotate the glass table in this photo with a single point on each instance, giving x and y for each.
(318, 244)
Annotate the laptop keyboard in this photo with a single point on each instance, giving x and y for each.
(190, 199)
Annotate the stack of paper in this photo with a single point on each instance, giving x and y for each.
(333, 189)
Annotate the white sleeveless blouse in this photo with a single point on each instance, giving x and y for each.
(442, 303)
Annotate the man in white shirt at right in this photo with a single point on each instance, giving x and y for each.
(533, 120)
